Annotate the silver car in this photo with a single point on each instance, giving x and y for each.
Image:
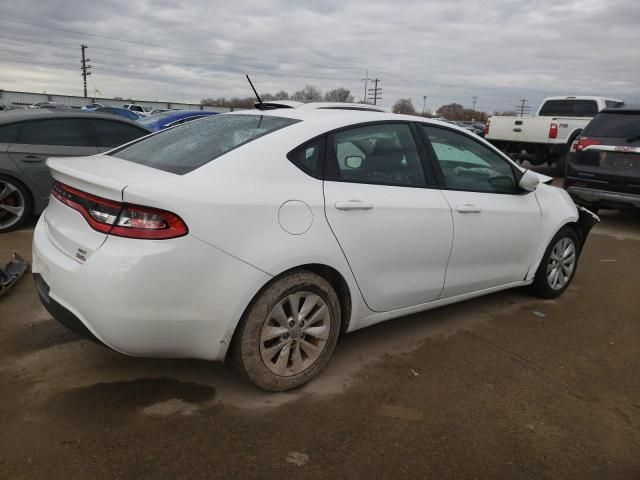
(29, 137)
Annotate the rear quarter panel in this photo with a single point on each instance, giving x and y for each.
(233, 203)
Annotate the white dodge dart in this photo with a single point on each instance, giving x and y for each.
(261, 236)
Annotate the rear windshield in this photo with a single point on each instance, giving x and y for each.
(569, 108)
(187, 147)
(614, 125)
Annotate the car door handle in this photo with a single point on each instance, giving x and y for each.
(468, 208)
(32, 158)
(353, 205)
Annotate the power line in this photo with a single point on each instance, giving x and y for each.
(85, 69)
(523, 107)
(365, 80)
(375, 93)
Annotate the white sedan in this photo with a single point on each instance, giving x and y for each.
(261, 236)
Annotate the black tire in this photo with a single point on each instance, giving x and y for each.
(24, 198)
(541, 285)
(246, 346)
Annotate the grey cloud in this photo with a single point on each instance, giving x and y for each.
(500, 50)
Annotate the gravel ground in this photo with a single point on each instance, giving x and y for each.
(505, 386)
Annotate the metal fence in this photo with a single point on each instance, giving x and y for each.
(29, 98)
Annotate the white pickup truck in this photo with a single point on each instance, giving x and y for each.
(139, 109)
(547, 136)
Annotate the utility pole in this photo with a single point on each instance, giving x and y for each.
(474, 100)
(523, 107)
(366, 81)
(85, 69)
(424, 104)
(375, 92)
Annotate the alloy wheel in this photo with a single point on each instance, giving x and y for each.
(12, 204)
(295, 333)
(562, 261)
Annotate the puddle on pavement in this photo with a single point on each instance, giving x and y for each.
(140, 392)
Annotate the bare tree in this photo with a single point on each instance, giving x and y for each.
(215, 102)
(281, 95)
(404, 106)
(308, 93)
(338, 95)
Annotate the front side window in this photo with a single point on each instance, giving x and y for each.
(181, 150)
(384, 154)
(468, 165)
(72, 132)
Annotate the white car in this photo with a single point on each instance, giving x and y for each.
(261, 236)
(139, 109)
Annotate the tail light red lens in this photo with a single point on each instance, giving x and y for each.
(486, 127)
(121, 219)
(553, 130)
(584, 142)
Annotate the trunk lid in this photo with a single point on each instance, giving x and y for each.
(99, 175)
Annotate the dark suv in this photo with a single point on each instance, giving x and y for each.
(603, 168)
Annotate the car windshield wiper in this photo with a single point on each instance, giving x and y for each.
(633, 139)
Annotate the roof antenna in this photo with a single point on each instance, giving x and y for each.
(260, 103)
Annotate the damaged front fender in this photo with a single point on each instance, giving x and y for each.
(586, 220)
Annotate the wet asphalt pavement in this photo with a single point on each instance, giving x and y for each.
(505, 386)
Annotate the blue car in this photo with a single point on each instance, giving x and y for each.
(171, 118)
(123, 112)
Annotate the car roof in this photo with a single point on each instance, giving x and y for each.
(582, 97)
(632, 109)
(323, 120)
(13, 116)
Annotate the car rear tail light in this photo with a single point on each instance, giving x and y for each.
(553, 130)
(486, 127)
(121, 219)
(585, 142)
(573, 147)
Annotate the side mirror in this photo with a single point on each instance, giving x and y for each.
(529, 181)
(353, 161)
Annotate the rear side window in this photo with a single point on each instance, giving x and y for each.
(384, 154)
(308, 157)
(569, 108)
(181, 150)
(72, 132)
(113, 134)
(9, 133)
(614, 125)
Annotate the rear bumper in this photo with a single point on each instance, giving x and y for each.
(169, 298)
(59, 313)
(604, 197)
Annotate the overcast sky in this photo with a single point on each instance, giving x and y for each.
(176, 50)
